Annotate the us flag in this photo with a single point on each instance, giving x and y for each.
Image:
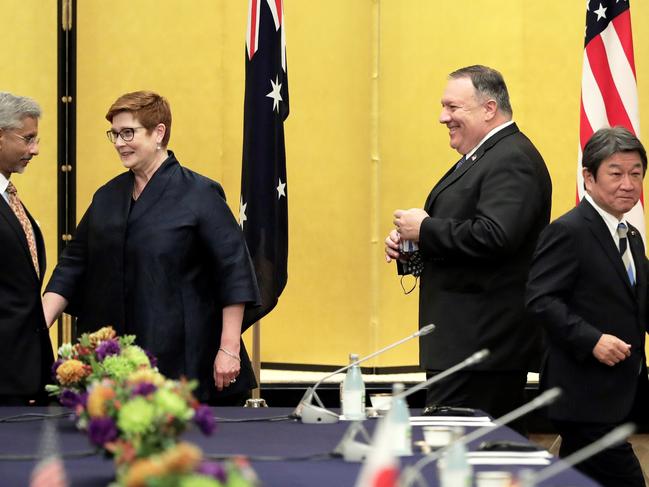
(263, 210)
(609, 94)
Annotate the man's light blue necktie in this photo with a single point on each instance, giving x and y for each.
(625, 252)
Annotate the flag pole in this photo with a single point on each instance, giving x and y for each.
(263, 203)
(256, 401)
(256, 358)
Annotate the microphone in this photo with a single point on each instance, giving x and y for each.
(310, 413)
(617, 435)
(354, 451)
(413, 473)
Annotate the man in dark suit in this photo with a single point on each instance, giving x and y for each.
(476, 235)
(25, 345)
(588, 286)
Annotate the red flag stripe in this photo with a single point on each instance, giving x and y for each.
(615, 109)
(622, 24)
(280, 10)
(253, 28)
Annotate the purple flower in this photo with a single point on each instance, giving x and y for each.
(83, 399)
(55, 366)
(144, 389)
(106, 348)
(214, 470)
(102, 430)
(152, 360)
(204, 418)
(71, 399)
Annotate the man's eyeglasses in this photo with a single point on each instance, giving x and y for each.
(30, 140)
(126, 134)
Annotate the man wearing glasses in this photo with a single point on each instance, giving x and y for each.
(25, 345)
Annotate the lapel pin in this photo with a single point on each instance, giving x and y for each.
(474, 157)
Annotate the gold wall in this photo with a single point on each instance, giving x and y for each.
(362, 138)
(28, 38)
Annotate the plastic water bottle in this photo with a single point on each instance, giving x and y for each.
(454, 467)
(398, 419)
(353, 392)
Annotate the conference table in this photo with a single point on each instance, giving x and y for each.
(283, 452)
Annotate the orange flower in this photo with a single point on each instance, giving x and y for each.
(71, 371)
(183, 458)
(97, 400)
(123, 450)
(143, 469)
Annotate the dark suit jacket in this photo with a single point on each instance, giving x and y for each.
(162, 270)
(579, 289)
(25, 347)
(477, 245)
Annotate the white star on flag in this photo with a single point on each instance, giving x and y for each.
(242, 212)
(601, 12)
(280, 189)
(275, 94)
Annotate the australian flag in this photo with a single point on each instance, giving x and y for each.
(263, 211)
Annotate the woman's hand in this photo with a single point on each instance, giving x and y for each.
(226, 368)
(227, 363)
(53, 306)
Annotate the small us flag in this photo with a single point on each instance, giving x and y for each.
(609, 92)
(263, 211)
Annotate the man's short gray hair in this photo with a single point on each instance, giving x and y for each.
(607, 142)
(487, 83)
(13, 109)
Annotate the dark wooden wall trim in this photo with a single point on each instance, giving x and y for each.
(66, 133)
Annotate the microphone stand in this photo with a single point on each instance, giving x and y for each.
(310, 413)
(617, 435)
(412, 473)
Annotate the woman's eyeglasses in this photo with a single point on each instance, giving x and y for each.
(127, 134)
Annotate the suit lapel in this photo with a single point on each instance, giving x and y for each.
(7, 213)
(602, 234)
(640, 260)
(453, 175)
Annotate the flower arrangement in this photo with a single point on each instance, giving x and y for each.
(96, 356)
(134, 413)
(183, 465)
(140, 415)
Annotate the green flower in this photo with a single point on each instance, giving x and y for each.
(65, 351)
(117, 367)
(136, 356)
(168, 402)
(136, 416)
(197, 480)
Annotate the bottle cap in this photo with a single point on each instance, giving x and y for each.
(397, 388)
(353, 357)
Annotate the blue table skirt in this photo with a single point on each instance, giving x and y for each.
(290, 441)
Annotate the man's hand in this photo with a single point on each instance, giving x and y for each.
(610, 350)
(408, 223)
(392, 246)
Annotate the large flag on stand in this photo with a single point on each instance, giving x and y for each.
(263, 211)
(609, 93)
